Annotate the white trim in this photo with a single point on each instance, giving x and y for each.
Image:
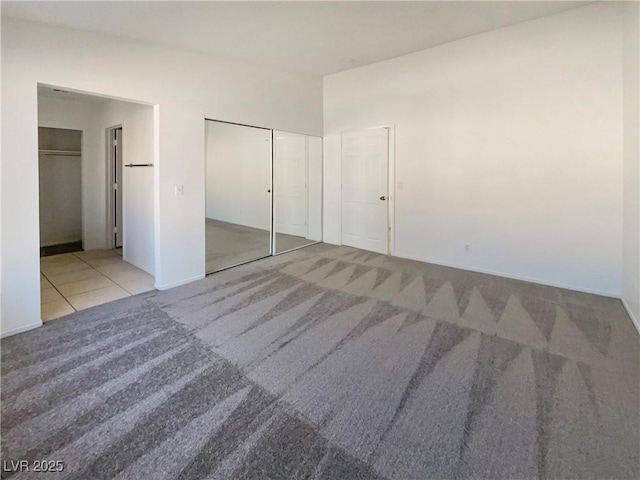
(322, 188)
(306, 187)
(636, 321)
(391, 196)
(178, 283)
(514, 277)
(83, 202)
(157, 242)
(272, 197)
(24, 328)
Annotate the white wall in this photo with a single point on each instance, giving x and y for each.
(184, 88)
(510, 140)
(138, 182)
(238, 174)
(631, 109)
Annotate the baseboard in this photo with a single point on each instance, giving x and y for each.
(504, 275)
(179, 283)
(636, 321)
(516, 277)
(24, 328)
(61, 243)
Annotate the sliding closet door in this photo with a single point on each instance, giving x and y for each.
(298, 190)
(238, 194)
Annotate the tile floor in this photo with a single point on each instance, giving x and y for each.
(79, 280)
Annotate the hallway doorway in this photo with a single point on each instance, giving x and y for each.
(116, 164)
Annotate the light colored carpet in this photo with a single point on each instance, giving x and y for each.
(230, 244)
(331, 363)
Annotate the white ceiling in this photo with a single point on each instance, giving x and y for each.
(317, 38)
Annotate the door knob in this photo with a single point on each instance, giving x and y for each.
(383, 198)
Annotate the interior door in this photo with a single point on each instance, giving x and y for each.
(117, 197)
(291, 184)
(365, 172)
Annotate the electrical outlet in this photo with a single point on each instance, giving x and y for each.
(179, 189)
(468, 248)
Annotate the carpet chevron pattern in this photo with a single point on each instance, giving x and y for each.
(330, 363)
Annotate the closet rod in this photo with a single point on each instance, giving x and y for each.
(61, 153)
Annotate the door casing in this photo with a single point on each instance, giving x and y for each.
(112, 194)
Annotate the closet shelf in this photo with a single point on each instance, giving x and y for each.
(63, 153)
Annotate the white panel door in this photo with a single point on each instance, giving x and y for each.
(290, 184)
(365, 171)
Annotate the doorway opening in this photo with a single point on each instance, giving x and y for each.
(116, 186)
(60, 180)
(81, 172)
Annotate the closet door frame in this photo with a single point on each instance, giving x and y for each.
(272, 240)
(270, 191)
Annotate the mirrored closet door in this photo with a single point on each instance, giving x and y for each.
(263, 193)
(238, 194)
(297, 197)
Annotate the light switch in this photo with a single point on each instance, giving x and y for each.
(179, 189)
